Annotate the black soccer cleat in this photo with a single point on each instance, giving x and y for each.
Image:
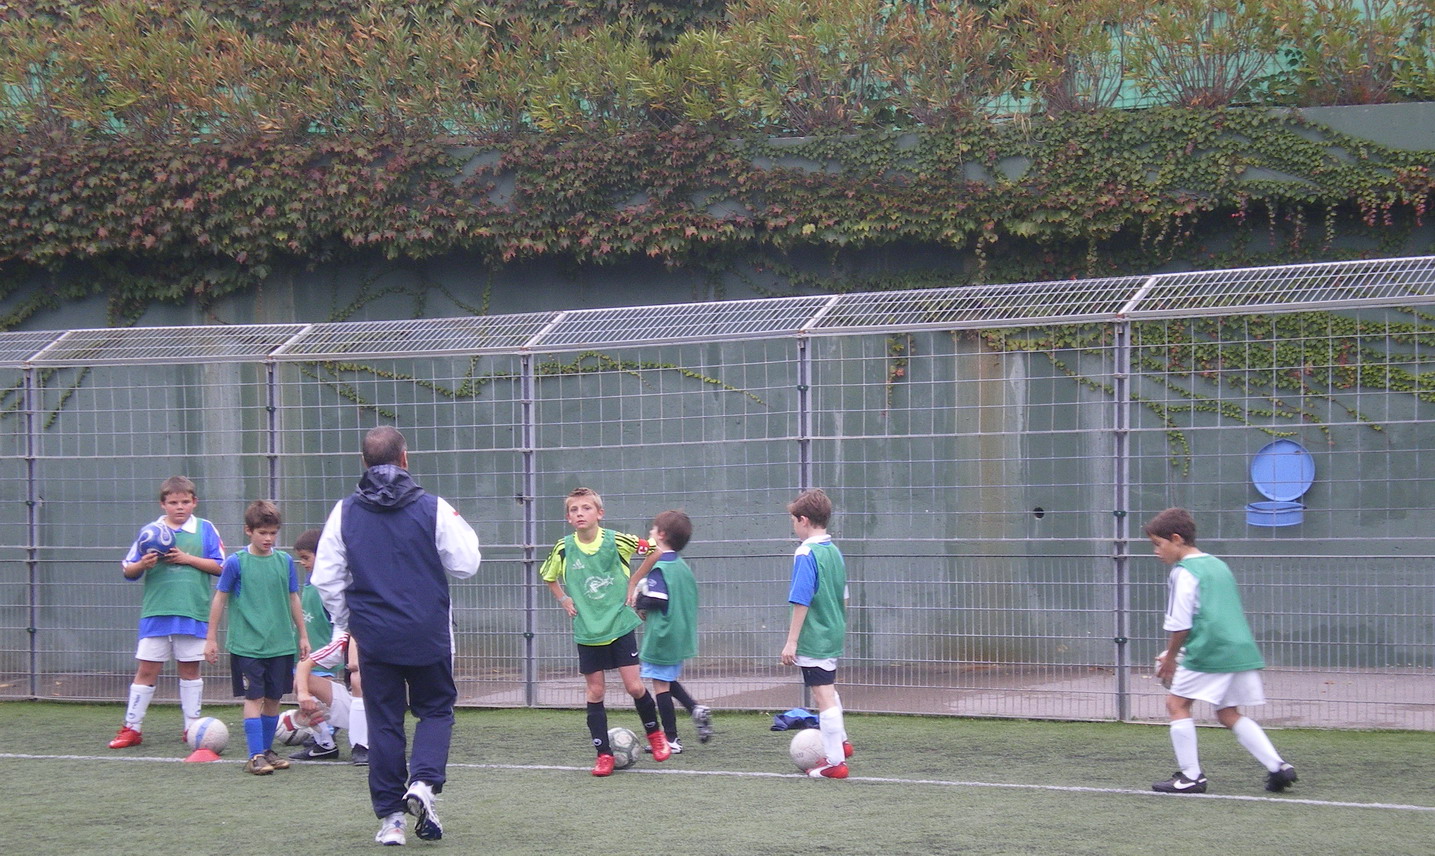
(703, 719)
(1179, 784)
(1281, 779)
(316, 753)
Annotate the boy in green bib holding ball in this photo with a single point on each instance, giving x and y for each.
(588, 573)
(175, 612)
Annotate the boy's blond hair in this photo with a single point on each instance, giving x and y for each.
(583, 492)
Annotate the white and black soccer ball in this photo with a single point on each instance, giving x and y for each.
(207, 733)
(651, 595)
(155, 538)
(292, 729)
(806, 749)
(625, 747)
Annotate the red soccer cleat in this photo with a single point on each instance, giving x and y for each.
(828, 771)
(603, 766)
(658, 742)
(126, 738)
(846, 749)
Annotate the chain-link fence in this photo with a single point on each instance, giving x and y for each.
(992, 452)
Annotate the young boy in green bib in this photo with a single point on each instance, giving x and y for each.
(588, 574)
(817, 624)
(670, 625)
(1210, 655)
(260, 588)
(177, 589)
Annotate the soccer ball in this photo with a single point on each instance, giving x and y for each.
(625, 747)
(208, 733)
(155, 538)
(293, 728)
(806, 749)
(651, 594)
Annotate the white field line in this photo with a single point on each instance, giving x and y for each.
(741, 774)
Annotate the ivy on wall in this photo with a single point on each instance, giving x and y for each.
(180, 221)
(170, 151)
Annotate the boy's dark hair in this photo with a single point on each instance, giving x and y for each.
(675, 527)
(383, 445)
(582, 491)
(308, 540)
(813, 504)
(176, 484)
(261, 512)
(1173, 521)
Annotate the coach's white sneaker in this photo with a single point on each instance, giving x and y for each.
(419, 798)
(391, 831)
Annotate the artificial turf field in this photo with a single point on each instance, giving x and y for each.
(519, 784)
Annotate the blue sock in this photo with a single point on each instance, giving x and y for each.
(254, 736)
(271, 724)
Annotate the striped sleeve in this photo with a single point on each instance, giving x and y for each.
(333, 655)
(627, 545)
(552, 568)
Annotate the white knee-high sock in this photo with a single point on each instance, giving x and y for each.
(140, 696)
(1183, 740)
(829, 722)
(323, 735)
(844, 719)
(1250, 735)
(191, 696)
(358, 724)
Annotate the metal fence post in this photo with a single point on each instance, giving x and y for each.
(529, 435)
(1121, 435)
(32, 530)
(271, 409)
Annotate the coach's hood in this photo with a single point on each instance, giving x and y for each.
(387, 486)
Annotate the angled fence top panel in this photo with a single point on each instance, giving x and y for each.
(415, 337)
(1324, 285)
(683, 322)
(1293, 288)
(182, 345)
(16, 348)
(976, 306)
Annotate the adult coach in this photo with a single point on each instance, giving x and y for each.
(382, 568)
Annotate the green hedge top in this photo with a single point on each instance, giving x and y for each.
(176, 67)
(173, 154)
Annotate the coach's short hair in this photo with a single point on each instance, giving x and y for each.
(383, 445)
